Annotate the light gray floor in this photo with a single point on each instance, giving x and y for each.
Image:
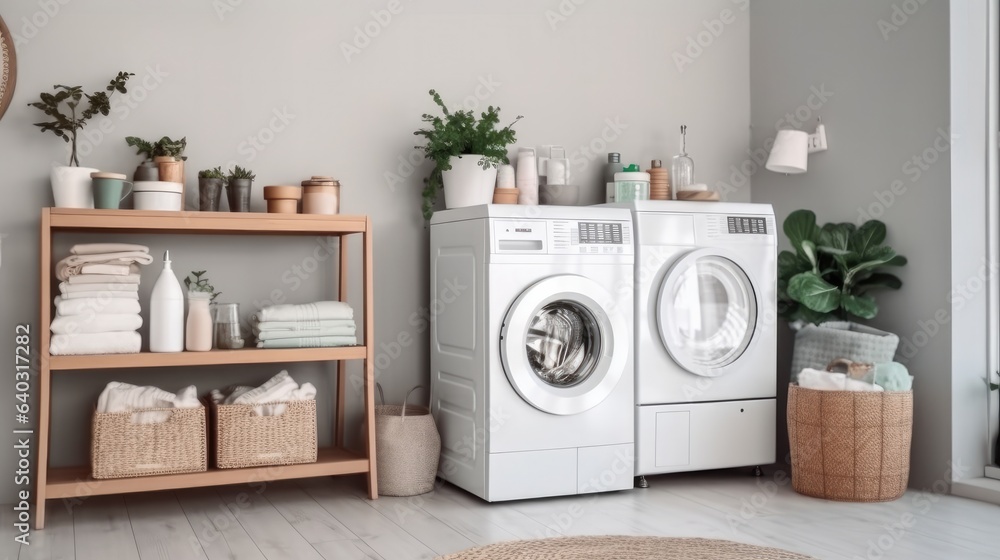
(328, 518)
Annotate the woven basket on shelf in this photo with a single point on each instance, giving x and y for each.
(407, 448)
(245, 439)
(122, 447)
(850, 446)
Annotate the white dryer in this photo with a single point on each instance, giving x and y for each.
(706, 343)
(532, 381)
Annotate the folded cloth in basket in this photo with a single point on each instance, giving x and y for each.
(91, 306)
(124, 397)
(300, 326)
(72, 265)
(278, 389)
(67, 288)
(311, 333)
(318, 311)
(96, 323)
(311, 342)
(115, 269)
(819, 380)
(100, 294)
(100, 248)
(95, 343)
(104, 279)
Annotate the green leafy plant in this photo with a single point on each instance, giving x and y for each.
(66, 126)
(240, 173)
(195, 283)
(162, 147)
(831, 270)
(216, 173)
(458, 133)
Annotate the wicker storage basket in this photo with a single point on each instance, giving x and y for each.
(407, 448)
(850, 446)
(245, 439)
(121, 447)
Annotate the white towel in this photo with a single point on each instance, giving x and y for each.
(92, 306)
(312, 342)
(95, 343)
(104, 279)
(280, 388)
(321, 310)
(104, 294)
(299, 326)
(819, 380)
(100, 248)
(67, 288)
(312, 333)
(96, 323)
(73, 264)
(116, 269)
(124, 397)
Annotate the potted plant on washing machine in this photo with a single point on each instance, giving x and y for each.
(71, 186)
(466, 152)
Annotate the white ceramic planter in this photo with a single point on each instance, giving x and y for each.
(468, 184)
(71, 186)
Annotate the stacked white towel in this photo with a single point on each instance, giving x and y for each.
(123, 397)
(97, 309)
(271, 395)
(309, 325)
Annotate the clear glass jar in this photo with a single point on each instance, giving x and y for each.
(631, 184)
(227, 326)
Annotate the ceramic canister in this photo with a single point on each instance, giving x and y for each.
(320, 195)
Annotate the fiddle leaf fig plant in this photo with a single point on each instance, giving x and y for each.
(458, 133)
(832, 269)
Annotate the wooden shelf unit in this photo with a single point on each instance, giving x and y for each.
(55, 483)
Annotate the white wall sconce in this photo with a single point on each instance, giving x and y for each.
(790, 153)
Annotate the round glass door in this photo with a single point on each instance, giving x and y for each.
(707, 312)
(561, 349)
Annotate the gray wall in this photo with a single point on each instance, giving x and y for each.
(221, 77)
(889, 77)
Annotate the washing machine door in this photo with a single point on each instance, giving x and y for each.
(563, 345)
(707, 311)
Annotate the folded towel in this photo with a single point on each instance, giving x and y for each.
(303, 325)
(312, 333)
(313, 342)
(96, 323)
(102, 294)
(123, 397)
(104, 279)
(271, 395)
(318, 311)
(892, 376)
(92, 306)
(100, 248)
(95, 343)
(67, 288)
(816, 379)
(116, 269)
(73, 264)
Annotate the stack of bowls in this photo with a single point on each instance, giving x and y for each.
(659, 182)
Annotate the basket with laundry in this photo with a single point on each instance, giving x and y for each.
(309, 325)
(849, 430)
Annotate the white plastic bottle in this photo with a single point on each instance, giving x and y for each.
(166, 312)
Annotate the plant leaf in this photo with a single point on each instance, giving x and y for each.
(809, 252)
(881, 280)
(836, 236)
(809, 289)
(861, 306)
(870, 235)
(801, 226)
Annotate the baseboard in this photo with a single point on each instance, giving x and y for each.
(982, 489)
(993, 472)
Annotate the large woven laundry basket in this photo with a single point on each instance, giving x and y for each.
(850, 446)
(407, 448)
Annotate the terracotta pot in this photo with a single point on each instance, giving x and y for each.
(171, 169)
(505, 196)
(282, 199)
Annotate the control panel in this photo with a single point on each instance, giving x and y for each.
(565, 237)
(747, 225)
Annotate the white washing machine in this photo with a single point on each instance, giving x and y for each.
(706, 343)
(532, 381)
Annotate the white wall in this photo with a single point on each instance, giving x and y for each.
(887, 72)
(218, 77)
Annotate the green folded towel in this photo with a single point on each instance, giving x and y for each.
(892, 376)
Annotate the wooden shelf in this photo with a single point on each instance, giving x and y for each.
(75, 482)
(206, 223)
(211, 358)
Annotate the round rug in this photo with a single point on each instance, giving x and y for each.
(624, 548)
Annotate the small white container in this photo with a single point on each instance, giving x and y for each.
(157, 195)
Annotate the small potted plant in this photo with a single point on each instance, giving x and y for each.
(466, 152)
(210, 184)
(240, 181)
(198, 332)
(166, 154)
(71, 187)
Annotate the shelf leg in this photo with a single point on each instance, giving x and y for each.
(44, 375)
(342, 364)
(370, 362)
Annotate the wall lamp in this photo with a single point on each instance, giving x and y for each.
(790, 153)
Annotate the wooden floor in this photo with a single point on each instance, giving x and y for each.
(330, 518)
